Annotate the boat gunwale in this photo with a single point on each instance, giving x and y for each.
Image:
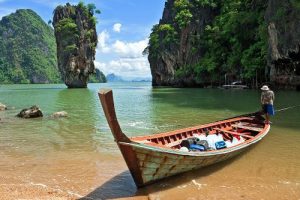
(145, 140)
(173, 132)
(245, 144)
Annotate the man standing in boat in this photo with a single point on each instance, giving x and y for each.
(267, 100)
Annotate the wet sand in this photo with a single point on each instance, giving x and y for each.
(247, 176)
(13, 189)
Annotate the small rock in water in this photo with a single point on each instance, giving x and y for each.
(60, 114)
(32, 112)
(2, 107)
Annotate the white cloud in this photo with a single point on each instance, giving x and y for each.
(117, 27)
(130, 49)
(121, 48)
(127, 57)
(126, 67)
(102, 39)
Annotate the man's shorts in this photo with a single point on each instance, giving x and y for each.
(268, 108)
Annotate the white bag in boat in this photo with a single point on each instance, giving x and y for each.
(228, 143)
(211, 139)
(219, 138)
(184, 149)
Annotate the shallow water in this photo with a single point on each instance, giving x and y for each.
(77, 157)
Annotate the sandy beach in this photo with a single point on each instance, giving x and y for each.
(13, 189)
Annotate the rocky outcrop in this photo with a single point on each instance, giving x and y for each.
(2, 107)
(76, 38)
(32, 112)
(114, 78)
(169, 57)
(59, 114)
(283, 19)
(274, 22)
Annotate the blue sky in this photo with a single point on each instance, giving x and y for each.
(123, 29)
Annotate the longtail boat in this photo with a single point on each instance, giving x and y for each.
(154, 157)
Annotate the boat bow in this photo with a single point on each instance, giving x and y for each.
(106, 98)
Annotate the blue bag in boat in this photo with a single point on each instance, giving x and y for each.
(188, 142)
(220, 145)
(203, 143)
(197, 147)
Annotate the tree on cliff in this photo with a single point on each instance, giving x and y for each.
(27, 49)
(98, 77)
(199, 42)
(76, 38)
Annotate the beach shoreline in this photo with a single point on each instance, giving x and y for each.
(15, 189)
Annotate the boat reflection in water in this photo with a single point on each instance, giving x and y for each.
(235, 85)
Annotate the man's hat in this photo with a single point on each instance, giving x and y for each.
(265, 87)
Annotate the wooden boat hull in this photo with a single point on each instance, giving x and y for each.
(150, 159)
(154, 163)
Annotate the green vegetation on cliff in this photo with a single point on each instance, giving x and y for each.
(98, 77)
(68, 29)
(233, 44)
(236, 43)
(27, 49)
(76, 39)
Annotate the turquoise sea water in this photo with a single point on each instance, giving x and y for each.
(77, 154)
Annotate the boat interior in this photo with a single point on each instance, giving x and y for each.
(245, 127)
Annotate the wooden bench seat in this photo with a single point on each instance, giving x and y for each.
(233, 133)
(257, 129)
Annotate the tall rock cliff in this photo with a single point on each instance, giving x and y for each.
(27, 49)
(283, 18)
(174, 42)
(76, 39)
(209, 42)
